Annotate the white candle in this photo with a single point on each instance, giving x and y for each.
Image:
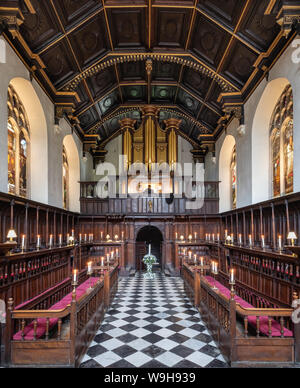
(213, 237)
(23, 242)
(190, 254)
(85, 238)
(102, 261)
(72, 232)
(60, 240)
(80, 238)
(232, 276)
(101, 234)
(226, 234)
(195, 236)
(280, 243)
(263, 241)
(50, 241)
(38, 244)
(250, 240)
(176, 236)
(89, 268)
(218, 237)
(195, 259)
(201, 261)
(75, 272)
(240, 239)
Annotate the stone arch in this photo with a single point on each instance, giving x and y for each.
(74, 173)
(224, 173)
(261, 169)
(38, 165)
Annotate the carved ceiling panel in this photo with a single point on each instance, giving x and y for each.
(40, 28)
(239, 65)
(90, 41)
(60, 64)
(225, 11)
(209, 41)
(127, 27)
(73, 12)
(171, 27)
(132, 71)
(196, 82)
(109, 102)
(102, 82)
(260, 28)
(135, 93)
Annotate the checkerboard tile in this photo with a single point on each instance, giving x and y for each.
(152, 324)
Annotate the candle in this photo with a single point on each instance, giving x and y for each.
(176, 236)
(72, 232)
(60, 240)
(226, 234)
(195, 234)
(263, 241)
(280, 243)
(213, 237)
(190, 254)
(201, 261)
(232, 276)
(218, 237)
(85, 237)
(38, 244)
(80, 238)
(250, 240)
(51, 241)
(23, 242)
(101, 236)
(102, 261)
(232, 238)
(149, 251)
(117, 252)
(89, 271)
(75, 273)
(195, 259)
(240, 239)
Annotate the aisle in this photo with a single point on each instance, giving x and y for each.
(152, 324)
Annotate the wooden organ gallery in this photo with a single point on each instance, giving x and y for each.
(110, 111)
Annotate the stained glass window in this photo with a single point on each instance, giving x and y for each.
(18, 142)
(65, 175)
(282, 145)
(11, 159)
(233, 178)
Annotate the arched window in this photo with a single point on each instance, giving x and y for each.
(18, 142)
(65, 184)
(282, 145)
(233, 178)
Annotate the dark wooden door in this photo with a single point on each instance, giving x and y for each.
(140, 252)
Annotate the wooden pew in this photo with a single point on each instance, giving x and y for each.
(76, 326)
(228, 322)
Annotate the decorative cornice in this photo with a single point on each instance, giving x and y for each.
(225, 86)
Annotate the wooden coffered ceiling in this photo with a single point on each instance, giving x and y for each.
(100, 60)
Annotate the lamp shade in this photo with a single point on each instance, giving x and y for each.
(12, 234)
(292, 236)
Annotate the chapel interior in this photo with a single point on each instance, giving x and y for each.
(149, 183)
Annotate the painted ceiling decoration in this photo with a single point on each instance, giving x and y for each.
(100, 61)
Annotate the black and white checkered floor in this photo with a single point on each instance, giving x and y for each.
(152, 324)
